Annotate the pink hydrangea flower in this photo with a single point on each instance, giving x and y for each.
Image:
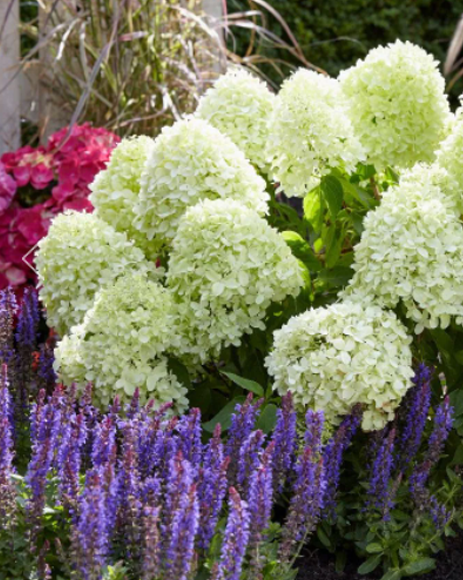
(62, 170)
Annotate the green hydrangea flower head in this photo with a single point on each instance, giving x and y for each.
(239, 105)
(191, 161)
(226, 267)
(80, 254)
(115, 190)
(411, 251)
(397, 104)
(310, 133)
(449, 158)
(122, 344)
(335, 357)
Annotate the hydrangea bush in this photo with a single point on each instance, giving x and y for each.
(331, 301)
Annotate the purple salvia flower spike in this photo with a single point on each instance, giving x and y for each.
(285, 438)
(151, 565)
(315, 422)
(103, 441)
(242, 424)
(419, 400)
(260, 507)
(235, 540)
(189, 430)
(380, 492)
(45, 371)
(8, 309)
(7, 490)
(212, 487)
(249, 460)
(89, 536)
(180, 551)
(306, 503)
(441, 429)
(333, 455)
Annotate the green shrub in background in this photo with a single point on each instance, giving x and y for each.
(333, 34)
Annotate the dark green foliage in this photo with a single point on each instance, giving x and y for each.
(333, 34)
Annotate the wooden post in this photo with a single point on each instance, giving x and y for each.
(10, 96)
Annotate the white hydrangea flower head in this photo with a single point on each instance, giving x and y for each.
(310, 133)
(239, 105)
(226, 267)
(411, 251)
(397, 104)
(122, 343)
(335, 357)
(191, 161)
(80, 254)
(449, 158)
(115, 190)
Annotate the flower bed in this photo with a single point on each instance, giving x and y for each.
(193, 288)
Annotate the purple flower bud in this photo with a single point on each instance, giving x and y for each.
(285, 439)
(235, 540)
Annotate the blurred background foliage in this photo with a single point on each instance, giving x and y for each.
(334, 34)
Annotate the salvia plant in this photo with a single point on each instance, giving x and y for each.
(140, 486)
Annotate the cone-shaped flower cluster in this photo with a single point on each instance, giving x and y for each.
(240, 105)
(336, 357)
(397, 104)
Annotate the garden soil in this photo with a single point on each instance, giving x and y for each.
(319, 565)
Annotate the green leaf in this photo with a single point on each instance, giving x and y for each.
(333, 193)
(180, 371)
(422, 565)
(341, 560)
(334, 251)
(246, 384)
(374, 548)
(301, 250)
(323, 537)
(456, 400)
(313, 209)
(443, 341)
(268, 418)
(223, 416)
(369, 565)
(338, 276)
(392, 575)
